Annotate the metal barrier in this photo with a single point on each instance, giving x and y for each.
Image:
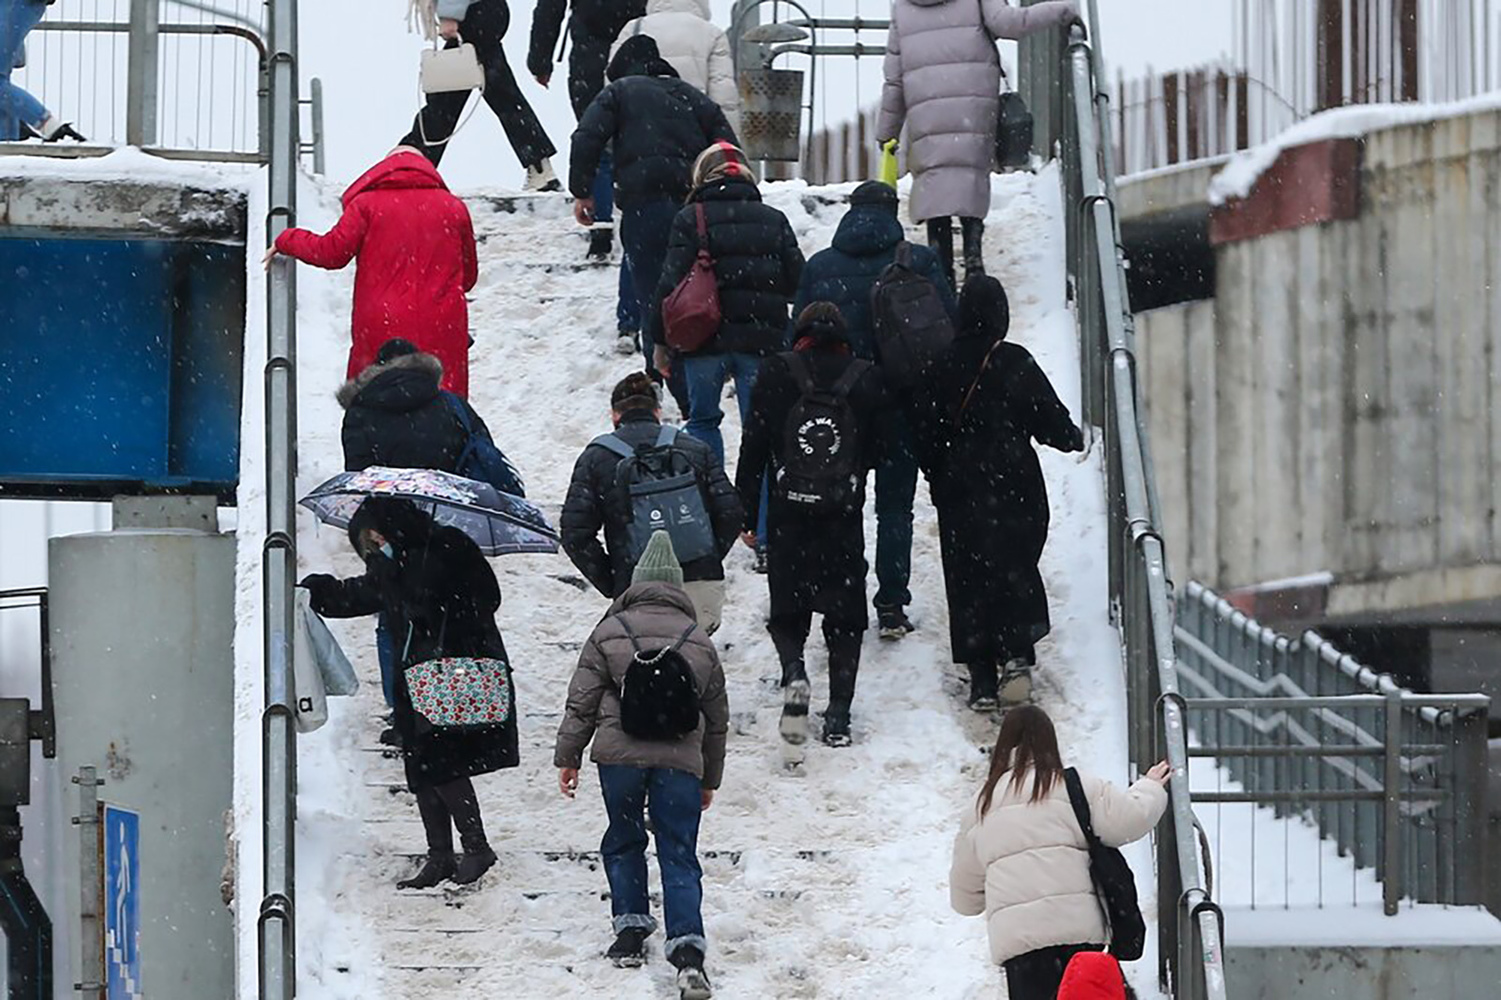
(276, 928)
(1076, 112)
(1395, 779)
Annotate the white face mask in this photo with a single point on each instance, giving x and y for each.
(387, 551)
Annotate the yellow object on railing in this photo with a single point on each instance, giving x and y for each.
(888, 162)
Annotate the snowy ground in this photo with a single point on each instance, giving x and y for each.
(832, 883)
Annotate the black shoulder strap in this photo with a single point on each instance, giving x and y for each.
(852, 374)
(802, 372)
(1081, 805)
(683, 639)
(904, 254)
(631, 635)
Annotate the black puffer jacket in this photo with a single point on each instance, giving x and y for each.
(396, 416)
(595, 24)
(756, 261)
(594, 502)
(658, 125)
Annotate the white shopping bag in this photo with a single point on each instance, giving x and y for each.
(333, 666)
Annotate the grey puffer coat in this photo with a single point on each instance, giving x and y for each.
(943, 79)
(659, 614)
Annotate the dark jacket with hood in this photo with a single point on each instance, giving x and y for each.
(986, 479)
(658, 125)
(756, 266)
(844, 273)
(593, 29)
(396, 416)
(814, 563)
(440, 598)
(594, 502)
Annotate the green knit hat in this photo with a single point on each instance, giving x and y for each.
(659, 563)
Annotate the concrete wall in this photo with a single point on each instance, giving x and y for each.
(1335, 407)
(1290, 972)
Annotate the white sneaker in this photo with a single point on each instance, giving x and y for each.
(541, 179)
(626, 344)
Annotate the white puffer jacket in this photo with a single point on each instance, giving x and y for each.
(1026, 866)
(697, 48)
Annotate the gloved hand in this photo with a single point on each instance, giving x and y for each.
(318, 586)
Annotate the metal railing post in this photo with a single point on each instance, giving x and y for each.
(1391, 787)
(276, 926)
(90, 884)
(1471, 815)
(141, 84)
(319, 136)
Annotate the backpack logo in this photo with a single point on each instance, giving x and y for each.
(819, 435)
(661, 491)
(820, 473)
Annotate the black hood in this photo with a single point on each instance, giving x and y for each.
(406, 526)
(400, 385)
(639, 56)
(984, 310)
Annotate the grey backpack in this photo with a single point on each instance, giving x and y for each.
(662, 493)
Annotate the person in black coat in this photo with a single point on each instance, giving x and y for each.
(441, 597)
(845, 274)
(816, 562)
(595, 501)
(757, 264)
(978, 411)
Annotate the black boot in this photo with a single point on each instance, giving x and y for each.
(844, 665)
(693, 984)
(983, 687)
(601, 242)
(629, 949)
(796, 693)
(435, 869)
(894, 623)
(941, 239)
(973, 231)
(478, 858)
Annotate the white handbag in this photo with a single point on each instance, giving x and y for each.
(448, 70)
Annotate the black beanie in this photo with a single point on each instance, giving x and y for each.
(393, 349)
(875, 193)
(823, 323)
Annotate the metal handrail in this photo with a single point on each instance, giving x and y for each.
(276, 925)
(1190, 928)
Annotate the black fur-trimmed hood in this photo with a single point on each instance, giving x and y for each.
(413, 379)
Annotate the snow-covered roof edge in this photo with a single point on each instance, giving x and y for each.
(131, 164)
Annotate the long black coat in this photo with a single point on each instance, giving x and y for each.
(440, 597)
(395, 415)
(658, 125)
(987, 484)
(757, 265)
(813, 563)
(594, 502)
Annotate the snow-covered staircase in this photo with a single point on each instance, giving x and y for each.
(831, 882)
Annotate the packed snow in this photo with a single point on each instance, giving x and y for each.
(831, 882)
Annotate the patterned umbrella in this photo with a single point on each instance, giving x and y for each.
(498, 522)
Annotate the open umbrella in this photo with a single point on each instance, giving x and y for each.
(498, 522)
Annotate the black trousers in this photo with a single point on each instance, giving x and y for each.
(1037, 974)
(444, 807)
(587, 61)
(789, 632)
(941, 239)
(484, 28)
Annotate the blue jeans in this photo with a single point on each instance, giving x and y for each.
(603, 189)
(17, 107)
(385, 651)
(896, 486)
(643, 232)
(706, 376)
(673, 801)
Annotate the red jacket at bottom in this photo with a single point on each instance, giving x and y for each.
(415, 245)
(1093, 975)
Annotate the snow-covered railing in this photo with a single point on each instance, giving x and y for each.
(1074, 110)
(1395, 779)
(276, 926)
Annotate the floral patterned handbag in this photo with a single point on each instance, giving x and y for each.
(458, 692)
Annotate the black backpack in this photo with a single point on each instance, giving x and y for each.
(821, 462)
(662, 492)
(659, 699)
(913, 329)
(1114, 885)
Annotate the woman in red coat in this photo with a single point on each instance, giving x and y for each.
(415, 245)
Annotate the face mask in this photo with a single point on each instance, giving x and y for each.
(387, 551)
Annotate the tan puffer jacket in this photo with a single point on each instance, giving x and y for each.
(658, 614)
(697, 48)
(1026, 867)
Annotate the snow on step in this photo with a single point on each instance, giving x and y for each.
(831, 883)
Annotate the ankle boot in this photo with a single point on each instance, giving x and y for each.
(437, 867)
(973, 231)
(796, 693)
(984, 684)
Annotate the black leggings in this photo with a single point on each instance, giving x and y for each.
(1037, 974)
(789, 632)
(484, 27)
(444, 807)
(941, 239)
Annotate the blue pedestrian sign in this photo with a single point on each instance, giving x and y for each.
(122, 903)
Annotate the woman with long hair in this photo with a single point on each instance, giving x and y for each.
(1021, 858)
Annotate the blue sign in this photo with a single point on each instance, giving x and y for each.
(122, 903)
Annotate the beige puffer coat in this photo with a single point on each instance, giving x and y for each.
(943, 79)
(696, 47)
(1026, 866)
(659, 614)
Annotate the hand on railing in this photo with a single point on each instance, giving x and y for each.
(1160, 772)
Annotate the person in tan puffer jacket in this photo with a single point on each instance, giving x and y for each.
(1021, 859)
(672, 780)
(694, 45)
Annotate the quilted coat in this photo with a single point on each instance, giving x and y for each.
(696, 47)
(943, 79)
(1025, 866)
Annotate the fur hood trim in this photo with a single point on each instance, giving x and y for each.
(413, 362)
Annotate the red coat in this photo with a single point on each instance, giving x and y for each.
(1092, 975)
(415, 245)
